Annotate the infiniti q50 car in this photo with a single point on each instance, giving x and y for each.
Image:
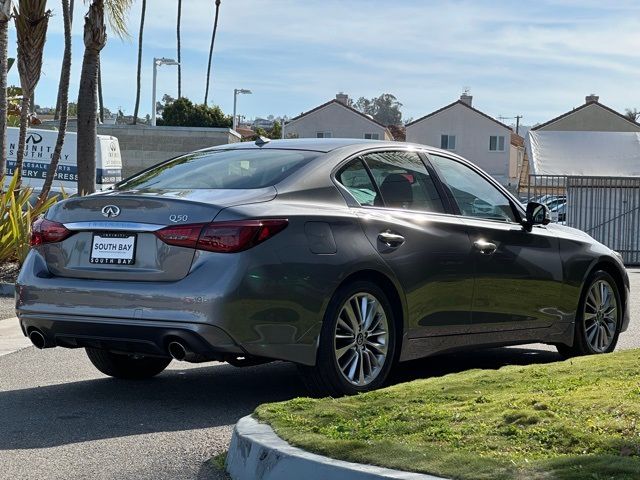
(345, 257)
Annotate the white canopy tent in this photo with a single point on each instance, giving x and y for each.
(601, 154)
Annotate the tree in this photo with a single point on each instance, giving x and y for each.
(56, 115)
(5, 16)
(213, 39)
(384, 109)
(63, 102)
(95, 38)
(32, 20)
(183, 113)
(632, 114)
(276, 131)
(179, 19)
(138, 74)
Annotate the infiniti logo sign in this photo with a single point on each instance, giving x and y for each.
(110, 211)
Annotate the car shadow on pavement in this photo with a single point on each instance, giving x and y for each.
(194, 398)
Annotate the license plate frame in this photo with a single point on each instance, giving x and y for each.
(111, 258)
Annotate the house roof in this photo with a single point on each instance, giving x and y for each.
(585, 105)
(319, 107)
(517, 140)
(459, 102)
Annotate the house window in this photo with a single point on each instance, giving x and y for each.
(448, 142)
(496, 143)
(323, 135)
(372, 136)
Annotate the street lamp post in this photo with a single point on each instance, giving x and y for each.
(237, 91)
(156, 63)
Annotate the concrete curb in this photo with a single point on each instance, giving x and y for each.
(257, 453)
(6, 289)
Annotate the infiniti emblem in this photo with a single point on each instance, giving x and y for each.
(110, 211)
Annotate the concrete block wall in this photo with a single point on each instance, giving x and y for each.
(143, 146)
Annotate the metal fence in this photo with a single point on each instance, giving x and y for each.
(607, 208)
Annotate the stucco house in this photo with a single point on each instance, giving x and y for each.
(470, 133)
(336, 119)
(591, 116)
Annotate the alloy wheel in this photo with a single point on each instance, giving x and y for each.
(600, 316)
(361, 339)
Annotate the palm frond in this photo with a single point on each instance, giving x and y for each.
(117, 12)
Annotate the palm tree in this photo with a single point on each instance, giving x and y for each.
(32, 20)
(213, 39)
(56, 115)
(63, 102)
(138, 77)
(95, 38)
(179, 52)
(5, 16)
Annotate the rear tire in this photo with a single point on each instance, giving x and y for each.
(126, 366)
(355, 354)
(598, 318)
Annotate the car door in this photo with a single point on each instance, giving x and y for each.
(405, 218)
(518, 273)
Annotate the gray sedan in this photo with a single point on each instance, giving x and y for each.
(346, 257)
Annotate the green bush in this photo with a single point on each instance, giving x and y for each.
(16, 215)
(183, 113)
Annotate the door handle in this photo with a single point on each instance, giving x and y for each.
(391, 240)
(486, 248)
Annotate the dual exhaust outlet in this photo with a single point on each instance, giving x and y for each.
(177, 350)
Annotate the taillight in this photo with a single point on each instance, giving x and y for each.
(222, 237)
(46, 231)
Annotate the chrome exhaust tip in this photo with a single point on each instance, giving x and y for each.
(37, 338)
(177, 351)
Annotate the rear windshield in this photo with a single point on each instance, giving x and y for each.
(234, 169)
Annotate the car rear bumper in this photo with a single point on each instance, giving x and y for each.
(243, 308)
(204, 342)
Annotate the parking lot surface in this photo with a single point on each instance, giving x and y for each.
(61, 419)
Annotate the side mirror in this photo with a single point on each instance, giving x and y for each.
(537, 214)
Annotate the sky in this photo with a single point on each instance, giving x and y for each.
(537, 59)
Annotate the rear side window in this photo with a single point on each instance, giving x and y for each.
(355, 178)
(403, 182)
(222, 169)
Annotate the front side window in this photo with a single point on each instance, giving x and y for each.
(474, 195)
(403, 182)
(355, 178)
(323, 135)
(372, 136)
(496, 143)
(448, 142)
(235, 169)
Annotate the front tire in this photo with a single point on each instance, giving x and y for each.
(598, 318)
(357, 343)
(126, 366)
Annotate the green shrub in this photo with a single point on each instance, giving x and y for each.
(183, 113)
(16, 215)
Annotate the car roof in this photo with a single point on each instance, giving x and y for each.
(323, 145)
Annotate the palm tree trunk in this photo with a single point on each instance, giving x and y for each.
(95, 38)
(4, 27)
(100, 98)
(179, 51)
(63, 100)
(138, 75)
(22, 139)
(56, 115)
(213, 39)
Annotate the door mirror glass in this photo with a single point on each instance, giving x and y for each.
(537, 214)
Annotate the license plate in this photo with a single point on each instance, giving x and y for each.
(113, 248)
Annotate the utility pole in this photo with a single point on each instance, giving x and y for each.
(517, 119)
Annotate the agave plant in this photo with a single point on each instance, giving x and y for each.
(16, 216)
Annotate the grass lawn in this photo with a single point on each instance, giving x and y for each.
(572, 420)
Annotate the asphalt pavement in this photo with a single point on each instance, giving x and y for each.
(61, 419)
